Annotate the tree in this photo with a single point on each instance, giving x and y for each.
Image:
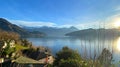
(105, 57)
(7, 36)
(68, 58)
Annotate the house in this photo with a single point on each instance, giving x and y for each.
(28, 62)
(1, 60)
(4, 45)
(12, 43)
(48, 59)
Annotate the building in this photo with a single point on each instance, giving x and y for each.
(28, 62)
(12, 43)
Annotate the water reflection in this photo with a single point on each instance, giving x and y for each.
(118, 44)
(90, 46)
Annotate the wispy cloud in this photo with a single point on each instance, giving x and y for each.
(97, 24)
(117, 8)
(33, 23)
(111, 20)
(51, 24)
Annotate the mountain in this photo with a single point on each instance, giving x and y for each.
(95, 33)
(7, 26)
(52, 31)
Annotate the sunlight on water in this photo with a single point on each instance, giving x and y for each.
(118, 44)
(86, 47)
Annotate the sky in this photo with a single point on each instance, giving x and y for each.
(61, 13)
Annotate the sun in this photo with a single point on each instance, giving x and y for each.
(117, 23)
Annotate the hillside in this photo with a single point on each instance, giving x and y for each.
(7, 26)
(95, 33)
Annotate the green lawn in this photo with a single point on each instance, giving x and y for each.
(19, 47)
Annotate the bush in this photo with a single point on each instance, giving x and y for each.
(68, 58)
(72, 63)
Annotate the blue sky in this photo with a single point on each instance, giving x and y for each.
(64, 13)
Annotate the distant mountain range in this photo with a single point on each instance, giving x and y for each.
(7, 26)
(35, 31)
(95, 33)
(55, 31)
(52, 31)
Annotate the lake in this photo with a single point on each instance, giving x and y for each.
(87, 47)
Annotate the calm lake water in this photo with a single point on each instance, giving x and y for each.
(87, 47)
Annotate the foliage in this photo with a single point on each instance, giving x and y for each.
(8, 50)
(5, 36)
(67, 53)
(20, 47)
(69, 58)
(26, 43)
(72, 63)
(49, 65)
(105, 57)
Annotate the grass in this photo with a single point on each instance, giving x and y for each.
(19, 47)
(8, 50)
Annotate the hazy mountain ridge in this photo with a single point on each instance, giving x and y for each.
(52, 31)
(95, 33)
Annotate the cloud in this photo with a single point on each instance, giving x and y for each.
(111, 20)
(38, 24)
(107, 23)
(33, 23)
(117, 8)
(96, 24)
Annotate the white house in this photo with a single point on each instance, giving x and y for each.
(5, 45)
(12, 43)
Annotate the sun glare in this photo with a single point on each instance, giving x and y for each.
(118, 44)
(117, 23)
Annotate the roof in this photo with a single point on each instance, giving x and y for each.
(26, 60)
